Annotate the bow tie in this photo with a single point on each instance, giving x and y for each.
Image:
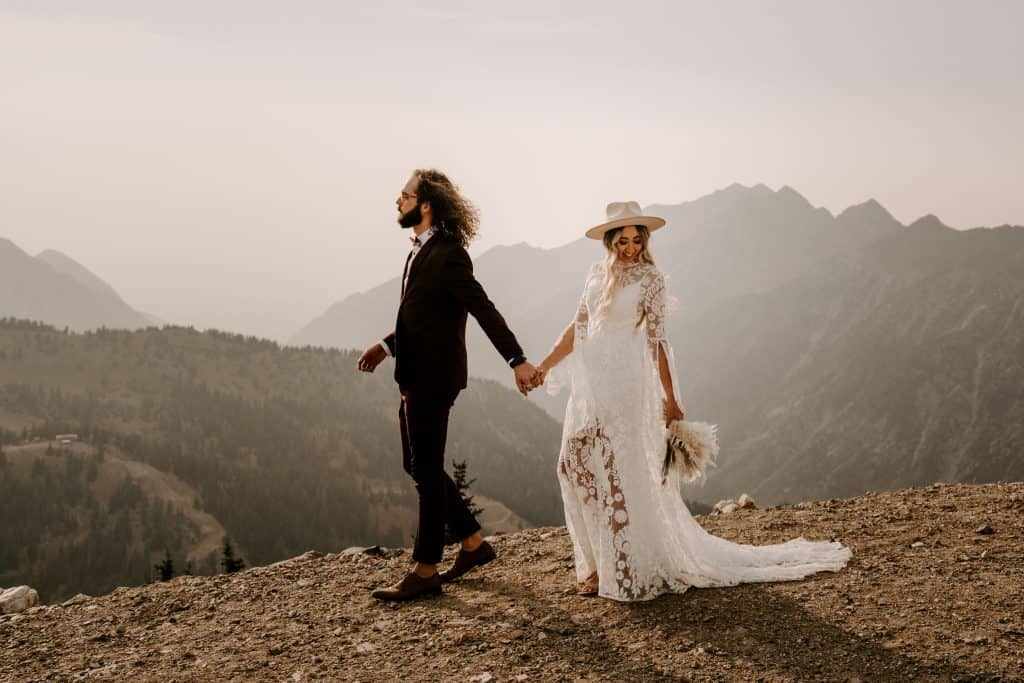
(415, 240)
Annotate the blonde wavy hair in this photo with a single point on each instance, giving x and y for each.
(614, 268)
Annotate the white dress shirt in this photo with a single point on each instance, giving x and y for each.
(417, 244)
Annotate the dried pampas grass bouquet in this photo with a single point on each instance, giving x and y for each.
(689, 449)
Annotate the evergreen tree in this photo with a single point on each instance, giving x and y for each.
(228, 562)
(165, 568)
(462, 484)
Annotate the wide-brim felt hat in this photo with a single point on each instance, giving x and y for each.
(621, 214)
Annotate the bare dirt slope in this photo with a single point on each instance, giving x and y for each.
(166, 486)
(927, 596)
(157, 485)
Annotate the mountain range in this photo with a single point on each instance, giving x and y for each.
(55, 289)
(838, 353)
(730, 243)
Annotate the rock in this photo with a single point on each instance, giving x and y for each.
(725, 507)
(372, 551)
(917, 544)
(18, 599)
(985, 530)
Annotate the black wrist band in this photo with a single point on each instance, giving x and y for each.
(518, 360)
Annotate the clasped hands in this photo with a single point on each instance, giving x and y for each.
(528, 377)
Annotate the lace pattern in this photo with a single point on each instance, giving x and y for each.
(633, 531)
(601, 494)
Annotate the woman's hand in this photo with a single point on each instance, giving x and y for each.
(542, 372)
(671, 411)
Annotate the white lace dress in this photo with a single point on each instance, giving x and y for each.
(635, 532)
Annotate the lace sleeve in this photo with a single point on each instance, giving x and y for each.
(560, 375)
(583, 310)
(654, 309)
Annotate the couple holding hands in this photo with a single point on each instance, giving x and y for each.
(633, 537)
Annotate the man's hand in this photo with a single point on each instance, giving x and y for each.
(371, 358)
(527, 377)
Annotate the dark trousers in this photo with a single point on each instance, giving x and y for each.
(423, 419)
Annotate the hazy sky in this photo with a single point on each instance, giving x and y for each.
(234, 165)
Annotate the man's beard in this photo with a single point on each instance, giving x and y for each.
(411, 219)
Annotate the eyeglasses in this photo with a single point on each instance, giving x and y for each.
(406, 195)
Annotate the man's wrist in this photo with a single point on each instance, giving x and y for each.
(516, 361)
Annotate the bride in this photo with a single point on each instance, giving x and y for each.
(633, 537)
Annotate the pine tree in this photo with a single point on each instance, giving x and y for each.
(228, 562)
(165, 568)
(462, 484)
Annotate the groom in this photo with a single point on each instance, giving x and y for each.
(429, 347)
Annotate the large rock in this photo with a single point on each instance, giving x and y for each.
(18, 599)
(725, 507)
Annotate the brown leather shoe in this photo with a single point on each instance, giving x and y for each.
(412, 586)
(467, 560)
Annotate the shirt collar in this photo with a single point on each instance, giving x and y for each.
(422, 239)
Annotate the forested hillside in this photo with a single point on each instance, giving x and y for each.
(289, 449)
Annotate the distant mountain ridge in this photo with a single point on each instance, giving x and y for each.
(55, 289)
(63, 263)
(730, 243)
(838, 353)
(899, 364)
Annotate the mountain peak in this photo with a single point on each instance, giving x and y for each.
(62, 263)
(54, 289)
(788, 193)
(869, 210)
(738, 189)
(54, 255)
(929, 222)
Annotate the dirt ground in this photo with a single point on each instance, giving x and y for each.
(935, 592)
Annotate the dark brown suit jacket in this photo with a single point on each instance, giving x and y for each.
(429, 341)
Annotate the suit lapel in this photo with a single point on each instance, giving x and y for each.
(414, 265)
(405, 276)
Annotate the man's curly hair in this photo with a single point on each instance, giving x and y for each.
(454, 216)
